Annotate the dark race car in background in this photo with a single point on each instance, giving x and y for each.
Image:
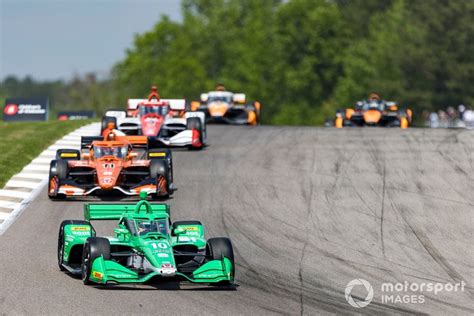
(226, 107)
(374, 112)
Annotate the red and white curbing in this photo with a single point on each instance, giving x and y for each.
(23, 187)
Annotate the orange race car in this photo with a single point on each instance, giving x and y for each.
(221, 106)
(109, 165)
(374, 112)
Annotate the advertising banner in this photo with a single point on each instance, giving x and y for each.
(25, 109)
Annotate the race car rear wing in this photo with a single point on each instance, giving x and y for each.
(115, 211)
(175, 104)
(86, 141)
(135, 141)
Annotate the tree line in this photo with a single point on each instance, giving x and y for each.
(302, 59)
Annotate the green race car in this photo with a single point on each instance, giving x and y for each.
(146, 247)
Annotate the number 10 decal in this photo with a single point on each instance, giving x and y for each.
(161, 245)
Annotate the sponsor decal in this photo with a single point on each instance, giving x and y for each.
(159, 245)
(75, 228)
(68, 155)
(163, 255)
(81, 233)
(97, 275)
(157, 154)
(191, 228)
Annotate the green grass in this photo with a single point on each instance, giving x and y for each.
(22, 142)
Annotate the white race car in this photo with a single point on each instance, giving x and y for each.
(165, 121)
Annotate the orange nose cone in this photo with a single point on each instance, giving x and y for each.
(372, 116)
(218, 109)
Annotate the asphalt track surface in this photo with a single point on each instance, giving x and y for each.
(307, 209)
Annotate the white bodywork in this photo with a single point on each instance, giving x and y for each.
(184, 138)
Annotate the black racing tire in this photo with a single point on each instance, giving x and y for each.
(218, 247)
(62, 169)
(105, 121)
(195, 123)
(61, 239)
(168, 157)
(53, 172)
(93, 249)
(159, 167)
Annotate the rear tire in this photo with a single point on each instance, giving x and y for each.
(216, 248)
(61, 239)
(93, 249)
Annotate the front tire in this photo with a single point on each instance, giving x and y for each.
(93, 249)
(216, 248)
(61, 239)
(58, 170)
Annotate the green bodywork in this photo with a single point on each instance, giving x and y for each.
(157, 249)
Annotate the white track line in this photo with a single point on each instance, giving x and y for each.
(43, 160)
(38, 169)
(29, 175)
(22, 184)
(4, 216)
(35, 167)
(9, 204)
(14, 194)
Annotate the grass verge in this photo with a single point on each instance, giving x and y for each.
(22, 142)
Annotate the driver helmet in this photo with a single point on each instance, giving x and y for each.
(154, 94)
(374, 96)
(111, 136)
(144, 227)
(220, 87)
